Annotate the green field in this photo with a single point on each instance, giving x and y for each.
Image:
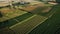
(29, 24)
(26, 21)
(26, 26)
(15, 20)
(50, 26)
(11, 14)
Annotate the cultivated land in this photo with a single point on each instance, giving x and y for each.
(3, 4)
(26, 26)
(30, 23)
(50, 26)
(10, 13)
(25, 21)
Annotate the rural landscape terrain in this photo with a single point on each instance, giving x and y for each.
(30, 18)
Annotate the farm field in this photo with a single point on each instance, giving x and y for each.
(50, 26)
(33, 7)
(25, 21)
(7, 13)
(15, 20)
(3, 4)
(30, 24)
(26, 26)
(10, 13)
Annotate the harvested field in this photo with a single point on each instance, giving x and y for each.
(3, 4)
(46, 10)
(38, 8)
(6, 10)
(41, 11)
(32, 7)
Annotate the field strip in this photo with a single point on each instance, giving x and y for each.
(45, 29)
(16, 20)
(29, 25)
(4, 18)
(40, 23)
(22, 21)
(51, 14)
(15, 15)
(36, 25)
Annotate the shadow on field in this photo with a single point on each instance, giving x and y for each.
(50, 26)
(39, 10)
(15, 20)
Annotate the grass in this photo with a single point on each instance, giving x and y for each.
(15, 13)
(13, 21)
(11, 14)
(26, 26)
